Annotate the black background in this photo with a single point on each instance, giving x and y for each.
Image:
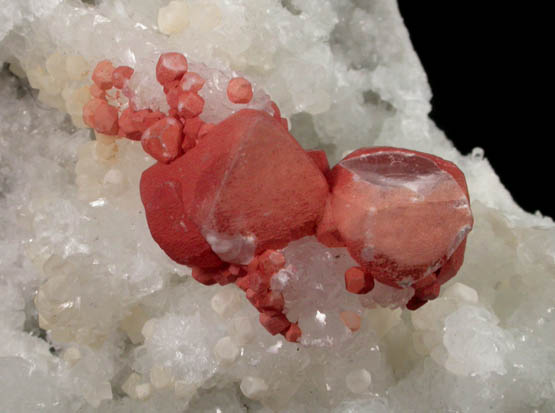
(485, 65)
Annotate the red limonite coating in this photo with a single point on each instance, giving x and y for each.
(189, 104)
(163, 139)
(293, 333)
(239, 90)
(357, 282)
(121, 75)
(418, 220)
(102, 74)
(191, 82)
(274, 323)
(170, 66)
(215, 189)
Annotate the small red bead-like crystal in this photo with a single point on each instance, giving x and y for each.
(170, 66)
(274, 323)
(163, 139)
(239, 90)
(121, 75)
(102, 74)
(273, 301)
(173, 91)
(105, 118)
(191, 82)
(293, 333)
(206, 277)
(190, 104)
(134, 123)
(357, 281)
(89, 110)
(97, 92)
(271, 261)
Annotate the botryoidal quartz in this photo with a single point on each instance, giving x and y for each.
(95, 316)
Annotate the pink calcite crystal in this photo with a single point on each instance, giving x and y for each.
(226, 198)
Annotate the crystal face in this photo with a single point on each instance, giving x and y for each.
(403, 209)
(95, 316)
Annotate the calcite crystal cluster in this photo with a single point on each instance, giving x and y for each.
(194, 106)
(222, 198)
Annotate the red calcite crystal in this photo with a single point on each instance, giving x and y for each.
(102, 74)
(402, 215)
(245, 165)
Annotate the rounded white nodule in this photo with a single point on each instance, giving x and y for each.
(243, 330)
(253, 387)
(225, 302)
(358, 381)
(173, 18)
(77, 67)
(72, 355)
(226, 349)
(160, 377)
(143, 391)
(462, 292)
(148, 329)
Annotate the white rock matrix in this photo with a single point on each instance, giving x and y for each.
(95, 317)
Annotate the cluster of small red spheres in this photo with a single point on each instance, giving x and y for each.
(164, 136)
(254, 279)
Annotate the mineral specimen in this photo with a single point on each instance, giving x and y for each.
(245, 188)
(95, 316)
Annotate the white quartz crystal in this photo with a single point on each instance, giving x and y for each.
(94, 317)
